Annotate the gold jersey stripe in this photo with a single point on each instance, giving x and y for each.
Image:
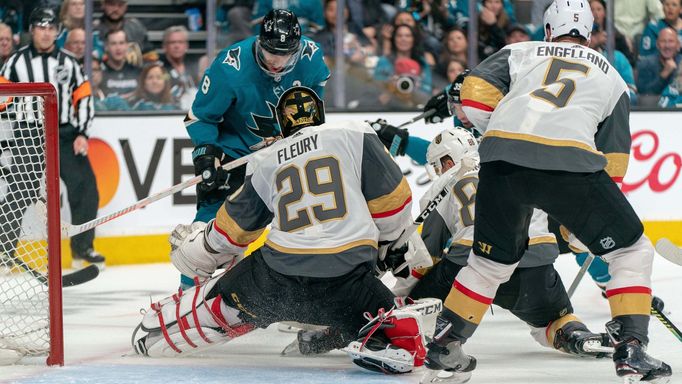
(236, 233)
(617, 164)
(541, 140)
(630, 304)
(480, 91)
(391, 201)
(321, 251)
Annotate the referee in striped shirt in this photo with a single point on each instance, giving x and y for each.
(42, 61)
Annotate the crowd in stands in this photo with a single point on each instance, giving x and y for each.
(397, 53)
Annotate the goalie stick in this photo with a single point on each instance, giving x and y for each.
(68, 280)
(669, 251)
(407, 232)
(72, 230)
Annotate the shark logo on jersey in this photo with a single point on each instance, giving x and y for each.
(232, 58)
(309, 49)
(266, 128)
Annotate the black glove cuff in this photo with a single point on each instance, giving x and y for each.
(206, 150)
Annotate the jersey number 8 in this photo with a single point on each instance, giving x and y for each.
(311, 173)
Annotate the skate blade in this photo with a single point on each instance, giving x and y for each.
(596, 347)
(292, 349)
(444, 377)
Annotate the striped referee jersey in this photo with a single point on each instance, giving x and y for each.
(74, 95)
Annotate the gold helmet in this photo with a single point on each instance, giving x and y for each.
(299, 107)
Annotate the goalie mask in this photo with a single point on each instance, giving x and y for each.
(297, 108)
(454, 144)
(568, 18)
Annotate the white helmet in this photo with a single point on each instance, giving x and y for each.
(568, 17)
(458, 144)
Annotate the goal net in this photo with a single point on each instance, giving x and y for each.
(30, 262)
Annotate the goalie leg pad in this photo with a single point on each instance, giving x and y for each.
(393, 341)
(187, 322)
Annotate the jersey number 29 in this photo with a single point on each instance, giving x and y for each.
(313, 171)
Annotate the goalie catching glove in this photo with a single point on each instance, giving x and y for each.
(191, 254)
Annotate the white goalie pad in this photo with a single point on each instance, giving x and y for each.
(186, 323)
(394, 342)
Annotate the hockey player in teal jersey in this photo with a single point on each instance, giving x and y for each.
(233, 112)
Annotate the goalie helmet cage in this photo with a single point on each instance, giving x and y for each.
(30, 288)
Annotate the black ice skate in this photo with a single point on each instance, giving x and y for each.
(576, 339)
(90, 256)
(315, 342)
(447, 364)
(632, 362)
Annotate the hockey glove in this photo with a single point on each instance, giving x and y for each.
(206, 160)
(394, 139)
(194, 258)
(440, 104)
(394, 260)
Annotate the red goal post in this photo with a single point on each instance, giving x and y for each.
(29, 117)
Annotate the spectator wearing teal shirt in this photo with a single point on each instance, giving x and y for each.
(620, 61)
(405, 61)
(72, 16)
(153, 91)
(671, 97)
(656, 72)
(671, 18)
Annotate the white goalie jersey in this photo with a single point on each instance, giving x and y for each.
(331, 193)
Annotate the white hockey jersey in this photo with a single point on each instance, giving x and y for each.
(453, 223)
(553, 106)
(331, 192)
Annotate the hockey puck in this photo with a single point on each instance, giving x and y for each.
(657, 303)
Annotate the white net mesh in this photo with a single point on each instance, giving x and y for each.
(24, 304)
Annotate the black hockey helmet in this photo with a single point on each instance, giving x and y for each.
(43, 16)
(457, 86)
(299, 107)
(280, 33)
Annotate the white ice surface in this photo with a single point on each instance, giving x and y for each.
(99, 318)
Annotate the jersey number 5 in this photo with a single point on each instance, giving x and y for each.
(313, 171)
(561, 98)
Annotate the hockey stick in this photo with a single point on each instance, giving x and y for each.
(68, 280)
(395, 144)
(669, 251)
(407, 232)
(657, 310)
(581, 273)
(418, 117)
(72, 230)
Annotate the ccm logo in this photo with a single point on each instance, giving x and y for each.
(431, 309)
